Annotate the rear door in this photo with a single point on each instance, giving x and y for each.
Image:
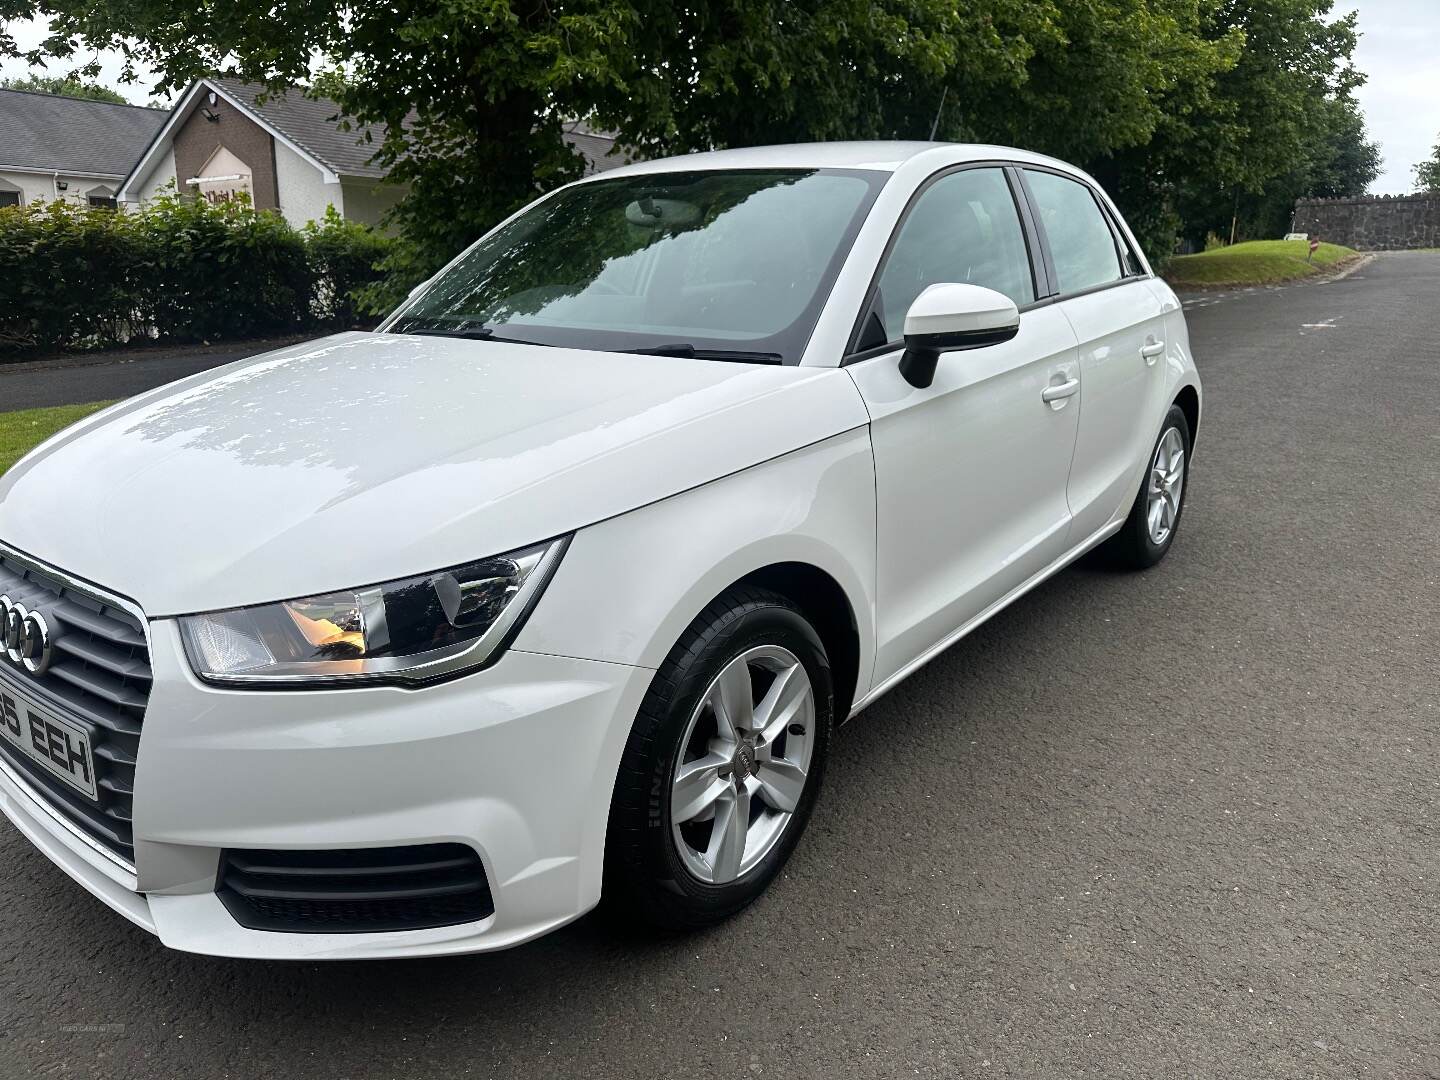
(1119, 323)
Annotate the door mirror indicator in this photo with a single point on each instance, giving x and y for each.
(949, 317)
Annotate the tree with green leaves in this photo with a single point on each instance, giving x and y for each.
(474, 94)
(1427, 173)
(71, 85)
(1177, 105)
(1276, 123)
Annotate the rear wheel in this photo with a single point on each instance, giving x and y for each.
(1154, 518)
(723, 765)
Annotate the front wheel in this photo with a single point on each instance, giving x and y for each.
(723, 765)
(1155, 516)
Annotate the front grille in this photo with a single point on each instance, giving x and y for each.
(100, 680)
(355, 890)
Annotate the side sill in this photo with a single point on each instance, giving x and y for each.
(1102, 534)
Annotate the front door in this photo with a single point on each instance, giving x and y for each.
(970, 471)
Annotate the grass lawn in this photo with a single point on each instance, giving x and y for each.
(19, 431)
(1256, 262)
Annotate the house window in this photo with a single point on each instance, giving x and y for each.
(9, 198)
(103, 202)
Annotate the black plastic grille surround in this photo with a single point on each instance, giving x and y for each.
(355, 890)
(99, 680)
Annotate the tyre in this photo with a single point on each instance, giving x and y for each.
(1155, 517)
(723, 765)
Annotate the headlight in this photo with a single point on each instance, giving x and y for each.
(411, 631)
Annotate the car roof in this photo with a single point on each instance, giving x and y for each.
(878, 156)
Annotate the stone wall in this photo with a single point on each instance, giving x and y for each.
(1372, 222)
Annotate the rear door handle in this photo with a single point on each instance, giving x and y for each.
(1151, 350)
(1060, 390)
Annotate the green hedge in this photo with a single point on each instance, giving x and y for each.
(180, 269)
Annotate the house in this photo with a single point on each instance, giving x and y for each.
(68, 148)
(596, 147)
(286, 152)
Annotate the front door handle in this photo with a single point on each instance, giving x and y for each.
(1151, 351)
(1060, 390)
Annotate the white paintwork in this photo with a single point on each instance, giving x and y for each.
(159, 180)
(1119, 383)
(970, 480)
(304, 189)
(815, 506)
(445, 450)
(38, 187)
(224, 175)
(363, 458)
(956, 309)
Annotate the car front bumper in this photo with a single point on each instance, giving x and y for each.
(517, 762)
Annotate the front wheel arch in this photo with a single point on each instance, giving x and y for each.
(825, 603)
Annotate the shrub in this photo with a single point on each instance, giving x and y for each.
(68, 274)
(345, 258)
(209, 271)
(180, 269)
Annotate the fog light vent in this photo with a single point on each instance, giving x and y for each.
(355, 890)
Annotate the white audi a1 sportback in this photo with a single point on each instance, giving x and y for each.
(419, 641)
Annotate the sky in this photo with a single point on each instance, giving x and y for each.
(1399, 51)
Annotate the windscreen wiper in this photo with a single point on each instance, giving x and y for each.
(473, 333)
(690, 352)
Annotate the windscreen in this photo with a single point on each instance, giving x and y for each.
(729, 264)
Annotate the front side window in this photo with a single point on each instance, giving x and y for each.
(1081, 243)
(9, 198)
(734, 265)
(964, 228)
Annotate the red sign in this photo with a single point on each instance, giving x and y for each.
(1314, 244)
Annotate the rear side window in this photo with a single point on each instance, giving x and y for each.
(963, 228)
(1081, 243)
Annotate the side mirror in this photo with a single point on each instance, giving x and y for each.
(948, 317)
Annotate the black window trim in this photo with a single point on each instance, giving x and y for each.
(1039, 275)
(1117, 237)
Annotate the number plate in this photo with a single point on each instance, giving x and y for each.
(56, 745)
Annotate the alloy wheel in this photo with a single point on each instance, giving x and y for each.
(1165, 486)
(743, 766)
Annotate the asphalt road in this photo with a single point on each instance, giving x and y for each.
(120, 373)
(1174, 824)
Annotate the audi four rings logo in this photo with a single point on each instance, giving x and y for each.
(25, 636)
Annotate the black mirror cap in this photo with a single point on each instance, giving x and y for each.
(922, 351)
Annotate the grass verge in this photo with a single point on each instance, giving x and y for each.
(1255, 262)
(19, 431)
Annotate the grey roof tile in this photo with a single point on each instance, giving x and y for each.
(49, 133)
(310, 122)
